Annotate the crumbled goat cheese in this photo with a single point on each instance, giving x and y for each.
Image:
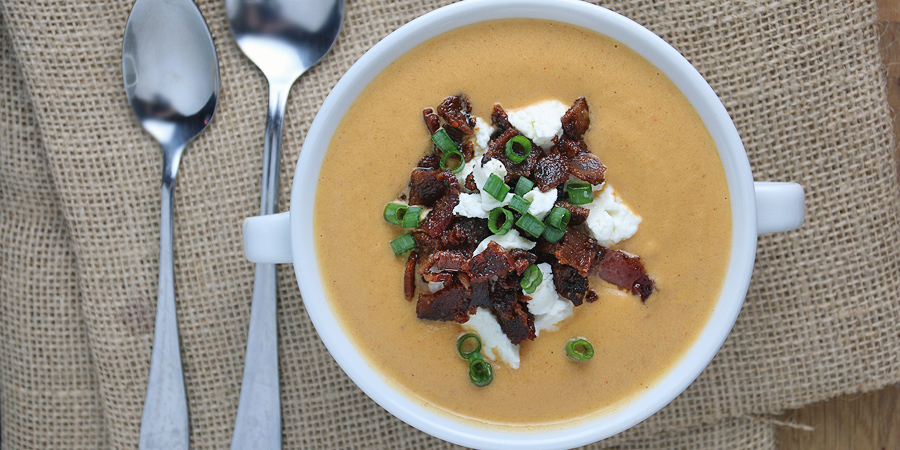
(546, 305)
(539, 122)
(435, 286)
(470, 206)
(483, 131)
(610, 221)
(512, 239)
(494, 342)
(541, 202)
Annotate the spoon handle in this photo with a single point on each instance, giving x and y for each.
(258, 423)
(164, 424)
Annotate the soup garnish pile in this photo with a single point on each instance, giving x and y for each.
(506, 221)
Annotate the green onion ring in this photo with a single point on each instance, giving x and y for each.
(531, 279)
(580, 193)
(579, 349)
(480, 372)
(495, 216)
(450, 154)
(523, 186)
(411, 218)
(559, 218)
(553, 235)
(519, 204)
(511, 152)
(443, 141)
(531, 225)
(462, 341)
(393, 212)
(403, 244)
(496, 187)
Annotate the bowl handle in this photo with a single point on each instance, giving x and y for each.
(267, 239)
(779, 206)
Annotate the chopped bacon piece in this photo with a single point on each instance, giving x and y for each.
(577, 119)
(499, 118)
(455, 110)
(409, 276)
(443, 261)
(468, 151)
(426, 186)
(568, 147)
(579, 214)
(623, 270)
(550, 171)
(442, 214)
(439, 277)
(493, 261)
(430, 161)
(470, 182)
(522, 259)
(512, 315)
(576, 249)
(465, 233)
(591, 296)
(497, 149)
(586, 167)
(448, 304)
(480, 295)
(569, 284)
(432, 121)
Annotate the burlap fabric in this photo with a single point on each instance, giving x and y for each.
(80, 207)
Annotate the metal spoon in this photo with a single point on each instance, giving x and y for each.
(283, 38)
(171, 77)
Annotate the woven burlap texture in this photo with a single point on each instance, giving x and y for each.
(79, 222)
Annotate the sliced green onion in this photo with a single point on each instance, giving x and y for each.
(579, 349)
(531, 279)
(523, 186)
(511, 152)
(443, 141)
(495, 217)
(394, 212)
(531, 225)
(403, 244)
(553, 235)
(411, 218)
(519, 204)
(450, 154)
(580, 193)
(559, 217)
(468, 345)
(496, 187)
(480, 372)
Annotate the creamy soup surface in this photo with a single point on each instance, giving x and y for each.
(660, 159)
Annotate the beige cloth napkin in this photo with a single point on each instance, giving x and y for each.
(80, 207)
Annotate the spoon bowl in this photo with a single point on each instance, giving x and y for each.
(171, 75)
(283, 38)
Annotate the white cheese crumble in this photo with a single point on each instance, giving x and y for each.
(539, 122)
(541, 202)
(483, 131)
(610, 221)
(481, 174)
(494, 342)
(512, 239)
(435, 286)
(546, 305)
(470, 206)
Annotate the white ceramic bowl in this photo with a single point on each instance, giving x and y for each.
(756, 208)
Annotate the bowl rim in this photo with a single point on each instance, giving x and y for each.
(659, 53)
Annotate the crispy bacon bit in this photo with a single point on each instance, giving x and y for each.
(569, 284)
(497, 149)
(409, 276)
(512, 315)
(522, 259)
(499, 118)
(465, 233)
(591, 296)
(550, 172)
(455, 110)
(468, 150)
(440, 277)
(576, 120)
(426, 186)
(568, 147)
(586, 167)
(443, 261)
(449, 304)
(579, 214)
(430, 161)
(470, 183)
(493, 261)
(576, 249)
(623, 270)
(432, 121)
(442, 214)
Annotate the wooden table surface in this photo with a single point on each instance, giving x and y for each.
(868, 421)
